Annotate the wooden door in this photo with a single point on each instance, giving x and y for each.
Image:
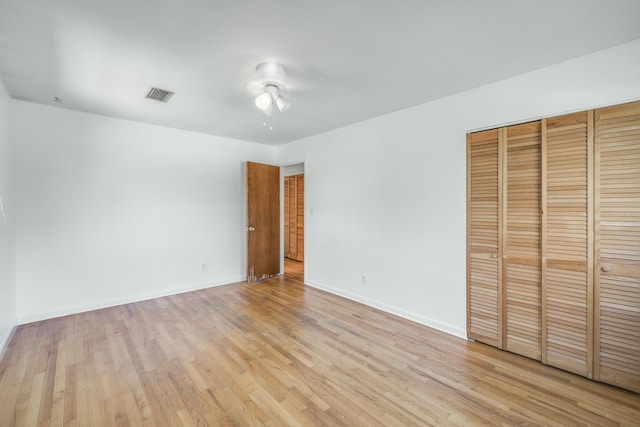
(484, 258)
(294, 217)
(287, 216)
(617, 245)
(263, 221)
(521, 240)
(300, 217)
(567, 272)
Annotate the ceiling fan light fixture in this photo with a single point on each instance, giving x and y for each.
(267, 89)
(264, 101)
(282, 103)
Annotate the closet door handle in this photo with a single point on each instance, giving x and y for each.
(606, 268)
(494, 256)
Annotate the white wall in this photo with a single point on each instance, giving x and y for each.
(7, 223)
(112, 211)
(389, 194)
(292, 170)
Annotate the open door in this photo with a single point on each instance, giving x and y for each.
(263, 221)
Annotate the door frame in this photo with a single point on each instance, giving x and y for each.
(304, 164)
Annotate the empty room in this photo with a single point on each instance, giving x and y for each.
(332, 213)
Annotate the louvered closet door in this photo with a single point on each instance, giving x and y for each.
(483, 237)
(567, 242)
(292, 217)
(287, 225)
(300, 217)
(617, 272)
(522, 240)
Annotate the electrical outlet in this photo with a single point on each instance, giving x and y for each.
(203, 267)
(363, 278)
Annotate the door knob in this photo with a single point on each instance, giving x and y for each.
(606, 268)
(251, 229)
(494, 256)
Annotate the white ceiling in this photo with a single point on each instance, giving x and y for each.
(346, 60)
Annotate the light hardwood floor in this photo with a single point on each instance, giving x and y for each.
(294, 269)
(279, 353)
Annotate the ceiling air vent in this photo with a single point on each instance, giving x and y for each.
(159, 94)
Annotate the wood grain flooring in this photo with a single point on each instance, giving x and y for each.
(279, 353)
(294, 269)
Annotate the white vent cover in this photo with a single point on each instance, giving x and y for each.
(159, 94)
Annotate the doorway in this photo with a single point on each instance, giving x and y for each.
(293, 220)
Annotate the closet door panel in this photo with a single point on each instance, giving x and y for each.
(522, 239)
(617, 272)
(300, 218)
(291, 217)
(567, 269)
(294, 217)
(287, 225)
(483, 238)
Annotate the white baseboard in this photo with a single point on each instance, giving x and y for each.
(432, 323)
(4, 340)
(120, 301)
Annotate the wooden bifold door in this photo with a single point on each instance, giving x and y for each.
(567, 224)
(617, 245)
(553, 241)
(294, 217)
(484, 235)
(521, 239)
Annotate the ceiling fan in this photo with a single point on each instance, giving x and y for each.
(268, 88)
